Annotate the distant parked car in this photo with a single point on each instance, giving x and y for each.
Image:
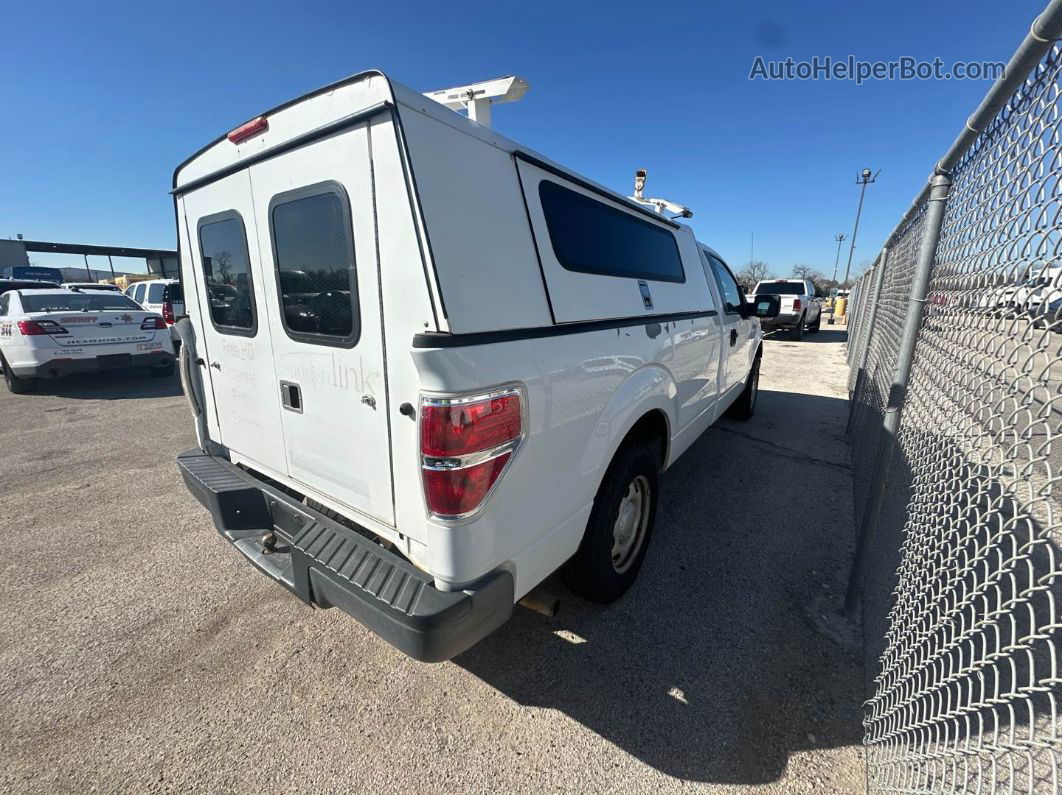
(35, 273)
(110, 288)
(800, 308)
(164, 296)
(49, 333)
(24, 284)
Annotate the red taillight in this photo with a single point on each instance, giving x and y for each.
(248, 130)
(167, 312)
(465, 444)
(454, 492)
(153, 323)
(30, 328)
(451, 428)
(796, 303)
(35, 328)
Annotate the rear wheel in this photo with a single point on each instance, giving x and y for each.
(797, 332)
(163, 370)
(621, 522)
(745, 406)
(19, 386)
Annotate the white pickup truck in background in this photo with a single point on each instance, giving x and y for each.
(447, 366)
(800, 308)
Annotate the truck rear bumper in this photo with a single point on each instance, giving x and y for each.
(327, 564)
(781, 321)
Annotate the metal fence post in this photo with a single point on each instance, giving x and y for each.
(938, 197)
(866, 328)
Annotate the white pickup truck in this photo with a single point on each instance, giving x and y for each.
(429, 367)
(800, 310)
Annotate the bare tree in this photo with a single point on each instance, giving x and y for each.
(805, 272)
(753, 273)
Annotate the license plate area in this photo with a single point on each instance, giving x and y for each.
(114, 361)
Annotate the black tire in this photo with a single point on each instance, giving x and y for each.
(797, 332)
(745, 406)
(18, 386)
(592, 572)
(163, 370)
(817, 324)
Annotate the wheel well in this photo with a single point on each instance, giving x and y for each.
(652, 428)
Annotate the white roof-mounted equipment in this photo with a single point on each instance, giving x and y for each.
(660, 205)
(477, 98)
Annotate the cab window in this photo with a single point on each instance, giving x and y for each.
(727, 285)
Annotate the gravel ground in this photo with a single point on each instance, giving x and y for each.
(139, 652)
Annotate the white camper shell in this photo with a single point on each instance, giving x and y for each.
(418, 353)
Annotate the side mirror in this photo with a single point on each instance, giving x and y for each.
(763, 306)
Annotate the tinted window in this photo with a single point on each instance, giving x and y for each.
(314, 255)
(77, 302)
(227, 272)
(154, 293)
(138, 293)
(3, 303)
(780, 288)
(174, 294)
(731, 291)
(590, 236)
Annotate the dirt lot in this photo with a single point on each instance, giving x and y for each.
(139, 652)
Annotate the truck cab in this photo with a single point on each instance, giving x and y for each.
(429, 366)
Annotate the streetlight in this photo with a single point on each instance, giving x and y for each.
(864, 179)
(836, 259)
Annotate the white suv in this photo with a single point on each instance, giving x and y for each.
(429, 367)
(164, 296)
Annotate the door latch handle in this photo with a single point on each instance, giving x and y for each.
(647, 297)
(291, 396)
(216, 365)
(733, 337)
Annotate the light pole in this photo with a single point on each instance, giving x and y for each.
(839, 239)
(863, 179)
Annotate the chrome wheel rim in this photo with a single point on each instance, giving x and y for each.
(631, 521)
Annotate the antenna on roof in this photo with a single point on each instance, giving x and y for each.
(477, 98)
(660, 205)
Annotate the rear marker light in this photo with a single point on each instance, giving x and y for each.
(167, 313)
(796, 303)
(466, 444)
(154, 323)
(248, 130)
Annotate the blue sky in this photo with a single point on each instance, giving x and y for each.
(101, 101)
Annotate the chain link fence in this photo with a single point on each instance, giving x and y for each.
(956, 456)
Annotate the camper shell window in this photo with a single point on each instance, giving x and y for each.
(589, 236)
(313, 248)
(227, 274)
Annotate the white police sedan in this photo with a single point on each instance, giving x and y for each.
(45, 333)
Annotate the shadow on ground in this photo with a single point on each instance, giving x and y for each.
(112, 385)
(707, 669)
(824, 334)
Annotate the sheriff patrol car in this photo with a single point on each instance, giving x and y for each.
(45, 333)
